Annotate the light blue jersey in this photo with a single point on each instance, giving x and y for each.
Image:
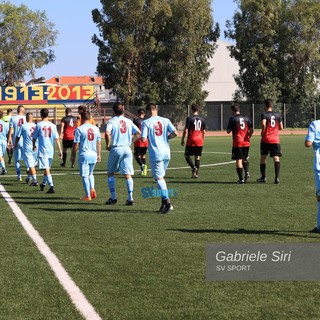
(16, 122)
(314, 136)
(26, 133)
(87, 136)
(121, 130)
(4, 129)
(157, 129)
(46, 134)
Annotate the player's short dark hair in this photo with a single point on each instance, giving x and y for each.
(82, 108)
(195, 107)
(68, 110)
(140, 111)
(235, 107)
(20, 107)
(85, 116)
(44, 112)
(28, 115)
(151, 106)
(118, 108)
(268, 103)
(9, 111)
(1, 114)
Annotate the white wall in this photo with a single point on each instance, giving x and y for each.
(221, 85)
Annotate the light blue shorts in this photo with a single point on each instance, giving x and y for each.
(86, 169)
(3, 148)
(158, 168)
(45, 162)
(30, 159)
(120, 160)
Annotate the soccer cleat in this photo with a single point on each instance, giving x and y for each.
(166, 206)
(162, 206)
(3, 172)
(93, 194)
(19, 178)
(315, 230)
(34, 184)
(261, 180)
(246, 177)
(129, 203)
(111, 201)
(51, 190)
(194, 173)
(144, 173)
(42, 186)
(72, 166)
(27, 180)
(62, 164)
(276, 181)
(240, 181)
(86, 198)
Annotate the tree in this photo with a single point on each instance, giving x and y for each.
(154, 49)
(26, 38)
(277, 47)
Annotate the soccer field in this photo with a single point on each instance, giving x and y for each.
(131, 263)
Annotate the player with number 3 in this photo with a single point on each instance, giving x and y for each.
(271, 123)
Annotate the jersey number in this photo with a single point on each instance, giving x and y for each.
(123, 126)
(71, 122)
(20, 122)
(158, 129)
(1, 127)
(32, 131)
(273, 121)
(242, 123)
(90, 135)
(47, 131)
(197, 125)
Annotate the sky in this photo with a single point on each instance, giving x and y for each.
(75, 54)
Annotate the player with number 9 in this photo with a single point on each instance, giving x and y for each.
(271, 123)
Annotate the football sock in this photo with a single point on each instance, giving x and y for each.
(86, 185)
(17, 166)
(129, 183)
(277, 168)
(240, 173)
(197, 164)
(190, 162)
(34, 178)
(3, 166)
(139, 161)
(91, 181)
(143, 160)
(50, 181)
(112, 187)
(246, 166)
(318, 216)
(163, 187)
(263, 170)
(64, 157)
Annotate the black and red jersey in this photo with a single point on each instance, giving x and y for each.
(271, 133)
(196, 127)
(139, 143)
(69, 127)
(240, 126)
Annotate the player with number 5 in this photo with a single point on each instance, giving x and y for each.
(271, 123)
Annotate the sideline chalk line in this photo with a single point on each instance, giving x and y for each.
(77, 297)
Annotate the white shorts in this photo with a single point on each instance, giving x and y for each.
(120, 160)
(30, 159)
(158, 168)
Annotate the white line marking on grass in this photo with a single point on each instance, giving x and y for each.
(74, 292)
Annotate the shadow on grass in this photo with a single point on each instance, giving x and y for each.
(284, 233)
(197, 181)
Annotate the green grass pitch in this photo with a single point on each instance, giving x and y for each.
(132, 263)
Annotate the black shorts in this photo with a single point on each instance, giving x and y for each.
(67, 144)
(193, 151)
(273, 148)
(240, 153)
(140, 151)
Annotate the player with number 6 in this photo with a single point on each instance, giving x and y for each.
(271, 123)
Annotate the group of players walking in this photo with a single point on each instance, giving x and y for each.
(35, 143)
